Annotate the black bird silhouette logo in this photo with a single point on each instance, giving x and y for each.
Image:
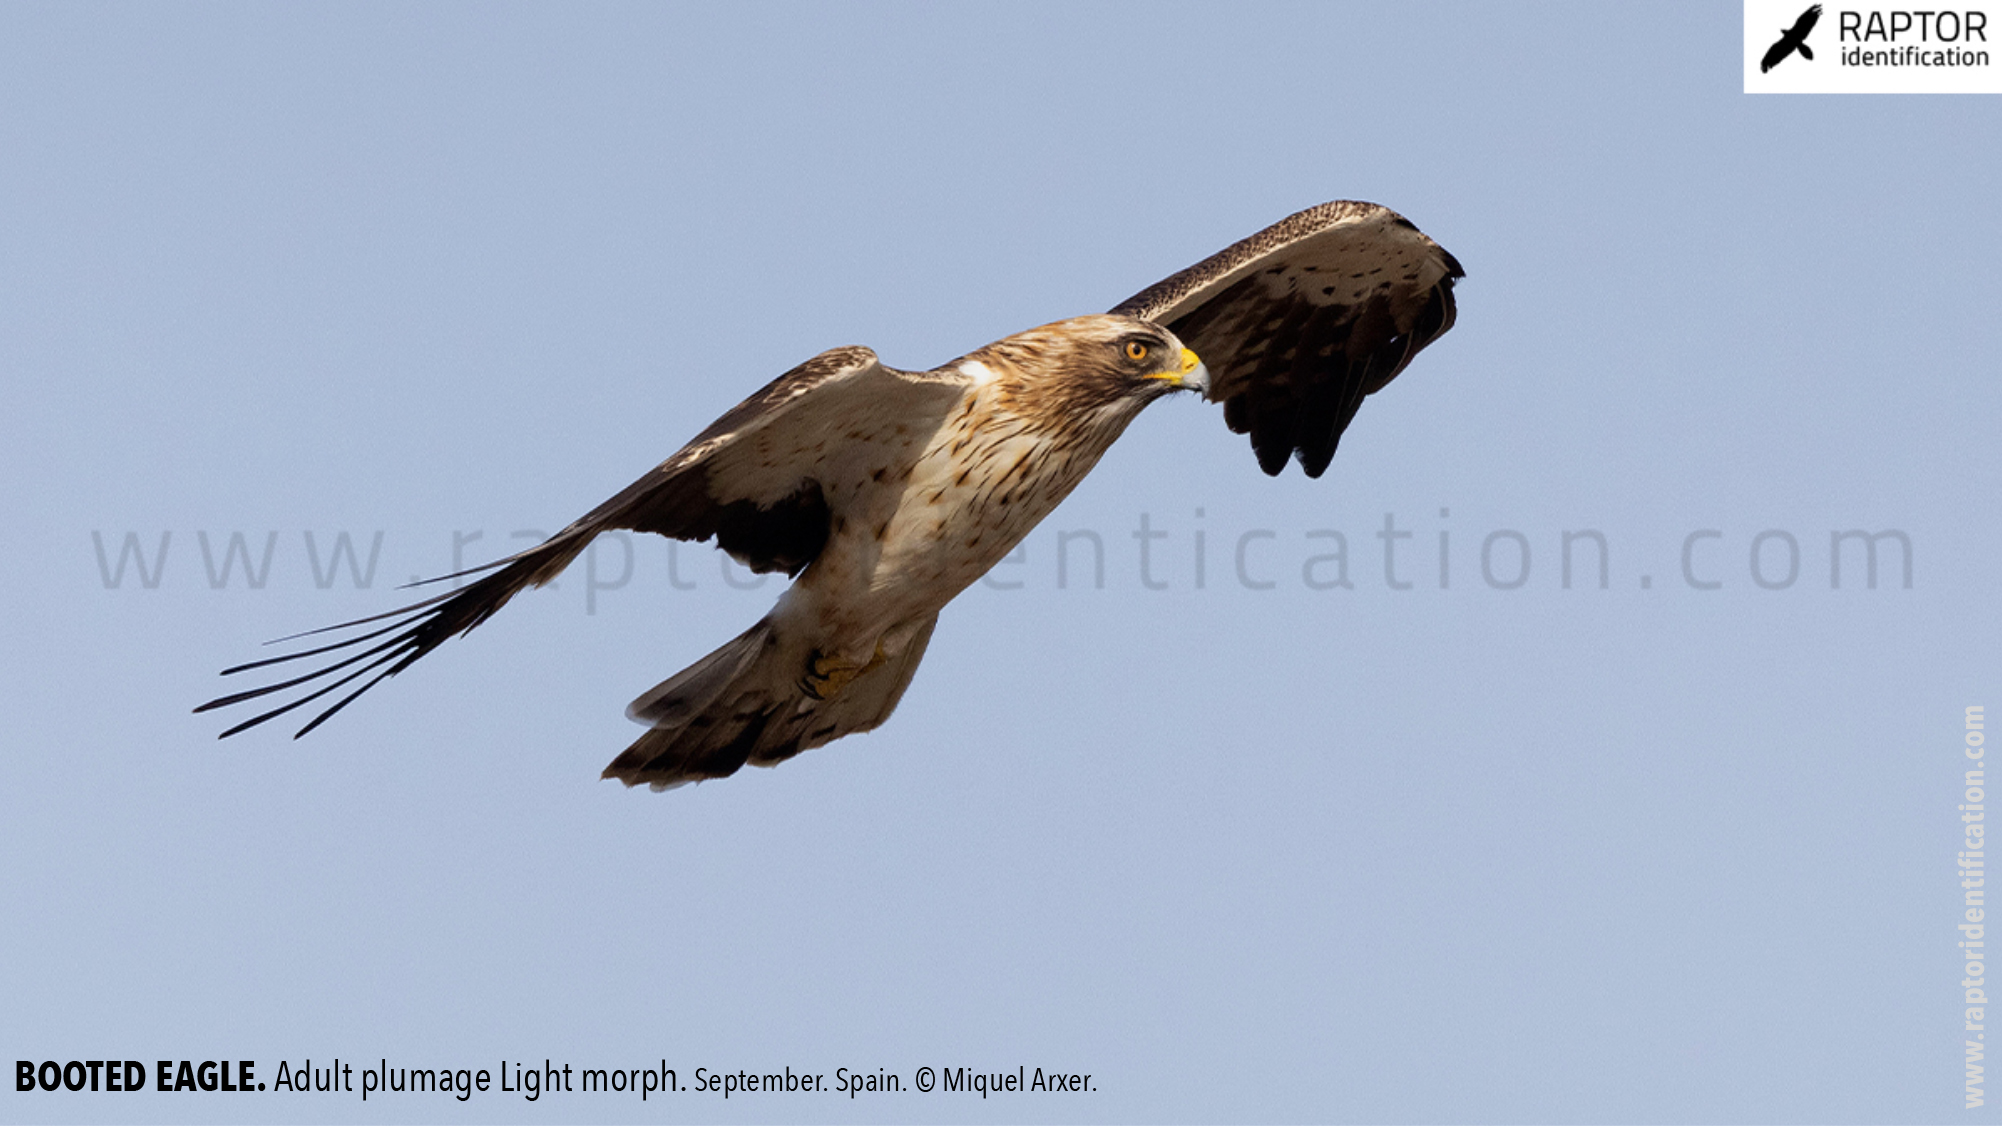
(1791, 40)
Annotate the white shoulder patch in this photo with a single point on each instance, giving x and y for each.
(978, 372)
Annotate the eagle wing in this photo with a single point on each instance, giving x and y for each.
(1301, 320)
(1805, 23)
(766, 480)
(768, 477)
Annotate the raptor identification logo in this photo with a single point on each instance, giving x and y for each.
(1796, 47)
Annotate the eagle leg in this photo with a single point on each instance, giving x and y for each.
(826, 676)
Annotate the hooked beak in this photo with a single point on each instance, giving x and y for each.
(1191, 376)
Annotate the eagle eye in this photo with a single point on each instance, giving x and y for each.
(1136, 350)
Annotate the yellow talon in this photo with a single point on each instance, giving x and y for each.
(826, 677)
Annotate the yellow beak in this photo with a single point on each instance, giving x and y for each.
(1192, 375)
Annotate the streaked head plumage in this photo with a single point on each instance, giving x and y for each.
(1087, 365)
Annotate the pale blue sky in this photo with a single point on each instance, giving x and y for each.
(1646, 853)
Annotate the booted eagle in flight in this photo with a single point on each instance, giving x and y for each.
(888, 492)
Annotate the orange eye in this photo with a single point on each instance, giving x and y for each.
(1136, 351)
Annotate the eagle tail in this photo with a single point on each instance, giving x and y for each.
(1805, 52)
(744, 703)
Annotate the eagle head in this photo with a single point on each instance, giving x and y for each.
(1087, 366)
